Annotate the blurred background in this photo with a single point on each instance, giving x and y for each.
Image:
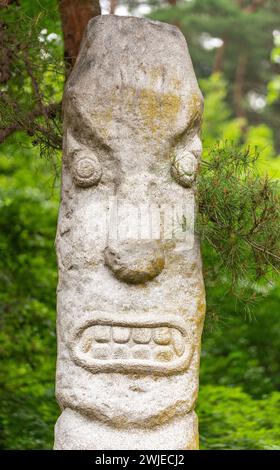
(235, 49)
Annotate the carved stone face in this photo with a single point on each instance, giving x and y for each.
(130, 309)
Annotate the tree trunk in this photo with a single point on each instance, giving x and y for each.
(7, 52)
(174, 3)
(75, 15)
(113, 5)
(255, 5)
(5, 3)
(238, 89)
(219, 57)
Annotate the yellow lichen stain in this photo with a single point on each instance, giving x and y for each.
(158, 108)
(155, 110)
(168, 413)
(105, 116)
(195, 108)
(201, 305)
(156, 74)
(159, 73)
(193, 442)
(164, 355)
(176, 83)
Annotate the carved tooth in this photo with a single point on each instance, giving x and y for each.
(101, 351)
(87, 343)
(141, 352)
(178, 342)
(162, 335)
(102, 333)
(120, 352)
(163, 354)
(87, 340)
(121, 334)
(141, 335)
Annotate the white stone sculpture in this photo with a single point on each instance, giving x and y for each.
(130, 295)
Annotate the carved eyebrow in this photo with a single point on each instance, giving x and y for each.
(85, 134)
(192, 128)
(195, 121)
(197, 107)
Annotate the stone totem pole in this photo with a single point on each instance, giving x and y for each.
(130, 295)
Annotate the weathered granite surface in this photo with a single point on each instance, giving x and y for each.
(130, 299)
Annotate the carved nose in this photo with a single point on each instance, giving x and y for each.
(135, 262)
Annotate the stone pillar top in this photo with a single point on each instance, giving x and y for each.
(136, 77)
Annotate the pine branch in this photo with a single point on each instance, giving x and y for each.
(239, 214)
(35, 85)
(28, 124)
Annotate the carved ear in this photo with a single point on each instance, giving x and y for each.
(85, 168)
(184, 168)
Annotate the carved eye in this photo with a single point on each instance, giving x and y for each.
(86, 169)
(184, 168)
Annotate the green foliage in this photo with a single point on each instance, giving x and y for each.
(225, 19)
(239, 214)
(273, 94)
(231, 419)
(220, 126)
(27, 301)
(218, 122)
(31, 88)
(238, 351)
(244, 55)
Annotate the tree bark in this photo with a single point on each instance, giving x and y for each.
(5, 3)
(7, 52)
(219, 57)
(174, 3)
(75, 15)
(238, 89)
(255, 5)
(113, 5)
(27, 124)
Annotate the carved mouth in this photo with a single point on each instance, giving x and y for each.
(151, 346)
